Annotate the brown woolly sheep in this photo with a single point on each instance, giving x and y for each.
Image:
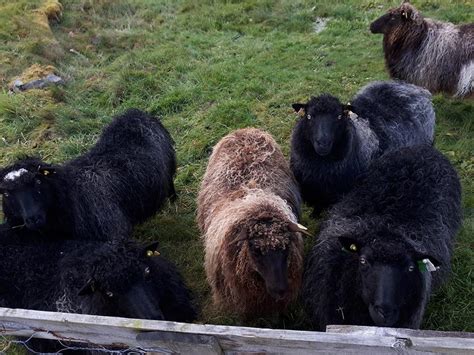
(248, 209)
(436, 55)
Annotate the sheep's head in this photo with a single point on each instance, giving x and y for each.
(402, 16)
(126, 290)
(269, 241)
(392, 276)
(324, 119)
(27, 194)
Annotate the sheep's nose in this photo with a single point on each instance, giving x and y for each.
(323, 141)
(278, 293)
(383, 311)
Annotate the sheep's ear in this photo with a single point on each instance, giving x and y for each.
(349, 244)
(416, 17)
(46, 171)
(346, 110)
(409, 13)
(348, 107)
(300, 109)
(151, 250)
(88, 289)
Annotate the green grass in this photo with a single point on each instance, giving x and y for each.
(207, 68)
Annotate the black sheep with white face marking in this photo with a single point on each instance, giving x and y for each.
(124, 179)
(27, 194)
(369, 265)
(333, 143)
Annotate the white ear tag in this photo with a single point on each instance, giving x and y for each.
(429, 265)
(300, 226)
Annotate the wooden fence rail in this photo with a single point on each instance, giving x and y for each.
(172, 337)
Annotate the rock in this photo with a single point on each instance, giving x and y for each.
(50, 79)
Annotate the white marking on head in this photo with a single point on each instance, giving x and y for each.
(12, 175)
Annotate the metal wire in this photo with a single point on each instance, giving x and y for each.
(7, 342)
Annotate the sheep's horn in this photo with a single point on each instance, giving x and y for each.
(296, 227)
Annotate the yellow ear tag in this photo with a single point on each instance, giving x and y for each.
(353, 247)
(46, 172)
(156, 253)
(149, 253)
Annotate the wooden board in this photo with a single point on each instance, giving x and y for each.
(172, 337)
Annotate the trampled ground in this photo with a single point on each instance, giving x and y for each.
(207, 68)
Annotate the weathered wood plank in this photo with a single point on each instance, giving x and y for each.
(428, 340)
(171, 337)
(181, 343)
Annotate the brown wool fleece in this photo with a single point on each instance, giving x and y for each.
(248, 181)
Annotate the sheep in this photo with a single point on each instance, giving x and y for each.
(387, 245)
(124, 179)
(123, 279)
(436, 55)
(248, 209)
(332, 144)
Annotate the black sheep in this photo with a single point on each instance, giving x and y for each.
(122, 279)
(115, 278)
(333, 143)
(368, 266)
(124, 179)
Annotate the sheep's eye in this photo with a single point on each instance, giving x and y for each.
(363, 261)
(309, 117)
(109, 294)
(411, 268)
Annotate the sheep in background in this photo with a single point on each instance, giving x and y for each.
(436, 55)
(332, 144)
(124, 179)
(370, 264)
(248, 209)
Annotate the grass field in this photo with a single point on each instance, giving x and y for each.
(207, 68)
